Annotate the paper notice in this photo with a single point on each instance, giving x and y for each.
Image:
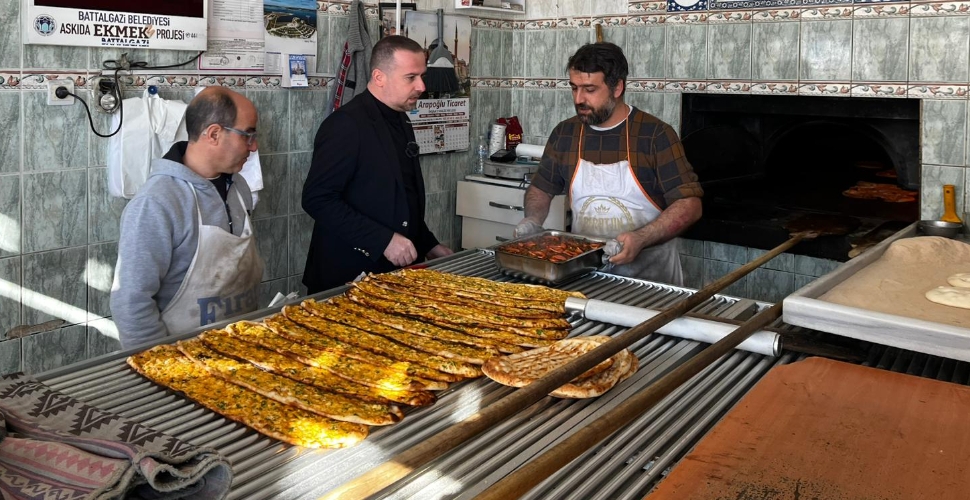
(236, 36)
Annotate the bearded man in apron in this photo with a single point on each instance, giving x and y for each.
(624, 170)
(187, 255)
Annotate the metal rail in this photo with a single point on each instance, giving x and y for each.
(627, 465)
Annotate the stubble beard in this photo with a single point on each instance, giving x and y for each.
(597, 115)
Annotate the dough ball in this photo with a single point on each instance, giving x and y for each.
(950, 296)
(960, 279)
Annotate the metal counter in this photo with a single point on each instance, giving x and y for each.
(627, 465)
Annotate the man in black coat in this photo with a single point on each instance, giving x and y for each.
(365, 191)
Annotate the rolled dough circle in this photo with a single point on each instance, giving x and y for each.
(950, 296)
(960, 279)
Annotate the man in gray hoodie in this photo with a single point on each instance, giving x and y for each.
(187, 255)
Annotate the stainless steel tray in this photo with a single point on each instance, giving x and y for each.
(544, 271)
(803, 308)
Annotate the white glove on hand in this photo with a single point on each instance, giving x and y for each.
(611, 248)
(526, 227)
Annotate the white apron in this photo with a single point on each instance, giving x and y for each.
(221, 281)
(607, 200)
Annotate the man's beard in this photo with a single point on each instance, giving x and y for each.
(597, 115)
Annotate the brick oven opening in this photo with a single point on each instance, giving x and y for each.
(765, 160)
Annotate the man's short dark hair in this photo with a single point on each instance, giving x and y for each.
(383, 53)
(602, 57)
(206, 109)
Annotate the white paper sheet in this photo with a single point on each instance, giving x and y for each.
(236, 36)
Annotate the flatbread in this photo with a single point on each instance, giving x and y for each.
(288, 391)
(394, 378)
(590, 387)
(416, 327)
(423, 342)
(950, 296)
(166, 366)
(959, 279)
(272, 361)
(423, 365)
(521, 369)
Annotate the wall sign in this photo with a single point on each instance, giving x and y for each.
(116, 23)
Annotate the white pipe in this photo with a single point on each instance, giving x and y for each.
(397, 18)
(702, 330)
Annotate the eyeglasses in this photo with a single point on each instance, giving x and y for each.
(412, 150)
(250, 136)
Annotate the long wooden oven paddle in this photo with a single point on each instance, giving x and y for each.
(814, 225)
(400, 466)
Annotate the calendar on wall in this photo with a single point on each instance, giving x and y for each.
(441, 125)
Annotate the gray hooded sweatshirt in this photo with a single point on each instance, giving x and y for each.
(159, 236)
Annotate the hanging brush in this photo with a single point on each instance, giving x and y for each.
(441, 75)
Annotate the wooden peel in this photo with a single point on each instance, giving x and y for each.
(397, 468)
(815, 225)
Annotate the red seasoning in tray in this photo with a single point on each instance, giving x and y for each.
(551, 247)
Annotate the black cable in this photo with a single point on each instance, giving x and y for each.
(118, 66)
(121, 116)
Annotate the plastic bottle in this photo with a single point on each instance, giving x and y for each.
(482, 154)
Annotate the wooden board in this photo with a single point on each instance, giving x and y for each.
(831, 430)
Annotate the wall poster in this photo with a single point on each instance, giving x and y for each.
(116, 23)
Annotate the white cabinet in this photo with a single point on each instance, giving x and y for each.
(490, 212)
(509, 6)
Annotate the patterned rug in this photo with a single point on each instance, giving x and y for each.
(54, 446)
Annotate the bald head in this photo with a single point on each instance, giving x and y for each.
(213, 106)
(221, 125)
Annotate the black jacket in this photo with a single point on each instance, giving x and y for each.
(355, 193)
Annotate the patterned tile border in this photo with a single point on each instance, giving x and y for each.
(646, 86)
(762, 11)
(536, 84)
(343, 9)
(940, 9)
(776, 15)
(691, 18)
(685, 86)
(10, 80)
(647, 20)
(880, 90)
(881, 10)
(938, 91)
(38, 81)
(825, 89)
(734, 16)
(611, 21)
(648, 7)
(541, 24)
(837, 89)
(827, 13)
(775, 88)
(729, 87)
(753, 4)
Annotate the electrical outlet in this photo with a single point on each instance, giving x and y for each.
(52, 98)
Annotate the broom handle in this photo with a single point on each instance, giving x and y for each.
(397, 17)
